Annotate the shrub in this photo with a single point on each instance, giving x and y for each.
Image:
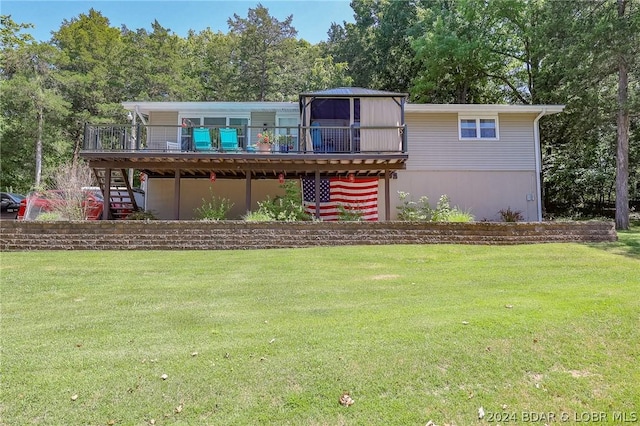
(286, 208)
(214, 209)
(141, 215)
(413, 211)
(50, 217)
(509, 215)
(460, 216)
(71, 180)
(421, 211)
(257, 216)
(349, 214)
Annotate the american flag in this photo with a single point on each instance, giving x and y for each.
(361, 195)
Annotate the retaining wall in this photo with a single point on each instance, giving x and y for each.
(200, 235)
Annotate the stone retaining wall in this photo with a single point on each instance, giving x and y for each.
(199, 235)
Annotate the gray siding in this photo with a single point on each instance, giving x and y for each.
(433, 144)
(157, 137)
(258, 119)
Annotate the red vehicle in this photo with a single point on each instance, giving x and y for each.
(54, 200)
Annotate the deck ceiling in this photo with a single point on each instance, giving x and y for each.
(238, 165)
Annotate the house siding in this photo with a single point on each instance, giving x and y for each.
(479, 176)
(157, 137)
(259, 118)
(160, 199)
(433, 144)
(482, 193)
(192, 192)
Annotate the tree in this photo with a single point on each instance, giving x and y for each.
(622, 152)
(89, 65)
(593, 57)
(377, 46)
(209, 67)
(157, 65)
(325, 74)
(262, 52)
(32, 107)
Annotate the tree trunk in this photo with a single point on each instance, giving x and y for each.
(622, 157)
(40, 114)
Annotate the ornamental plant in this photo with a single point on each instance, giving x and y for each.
(267, 138)
(421, 210)
(216, 208)
(287, 208)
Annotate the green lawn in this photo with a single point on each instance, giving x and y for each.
(414, 333)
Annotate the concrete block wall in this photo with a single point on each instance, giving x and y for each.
(223, 235)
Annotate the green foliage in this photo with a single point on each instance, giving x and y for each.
(377, 47)
(215, 208)
(347, 213)
(411, 210)
(509, 215)
(50, 217)
(258, 216)
(141, 215)
(286, 208)
(263, 50)
(460, 216)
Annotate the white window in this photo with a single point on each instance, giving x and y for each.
(478, 128)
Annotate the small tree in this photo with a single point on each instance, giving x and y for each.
(72, 182)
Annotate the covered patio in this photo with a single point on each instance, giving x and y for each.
(246, 166)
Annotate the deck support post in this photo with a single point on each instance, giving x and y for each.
(248, 191)
(387, 195)
(317, 189)
(106, 208)
(176, 195)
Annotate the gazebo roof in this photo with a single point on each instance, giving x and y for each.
(351, 92)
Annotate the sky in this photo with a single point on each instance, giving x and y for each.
(312, 18)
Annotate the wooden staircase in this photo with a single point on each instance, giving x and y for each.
(121, 198)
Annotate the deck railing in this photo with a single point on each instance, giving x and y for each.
(284, 139)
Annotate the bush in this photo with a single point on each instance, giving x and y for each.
(286, 208)
(413, 211)
(257, 216)
(422, 211)
(214, 209)
(460, 216)
(71, 181)
(50, 217)
(509, 215)
(141, 215)
(348, 214)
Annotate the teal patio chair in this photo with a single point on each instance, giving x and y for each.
(202, 139)
(229, 139)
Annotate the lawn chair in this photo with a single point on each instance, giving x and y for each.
(229, 139)
(173, 146)
(202, 139)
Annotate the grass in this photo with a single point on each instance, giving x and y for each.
(413, 333)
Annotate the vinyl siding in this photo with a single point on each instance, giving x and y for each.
(433, 144)
(160, 192)
(258, 119)
(483, 193)
(157, 137)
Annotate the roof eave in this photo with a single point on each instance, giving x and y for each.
(482, 108)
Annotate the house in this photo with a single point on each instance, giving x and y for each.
(484, 157)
